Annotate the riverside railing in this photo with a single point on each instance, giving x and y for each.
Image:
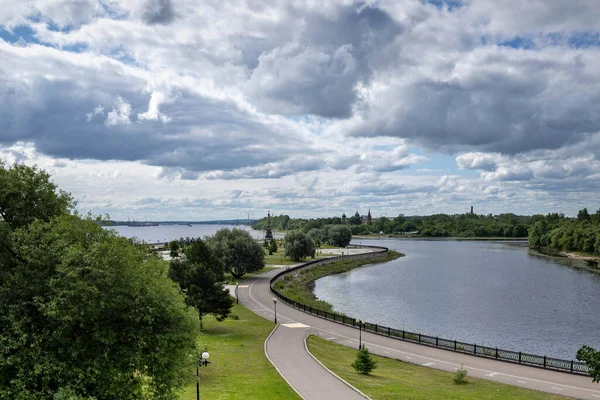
(569, 366)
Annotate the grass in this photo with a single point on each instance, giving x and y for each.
(239, 368)
(279, 258)
(395, 379)
(230, 280)
(299, 286)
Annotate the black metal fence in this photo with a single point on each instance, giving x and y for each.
(570, 366)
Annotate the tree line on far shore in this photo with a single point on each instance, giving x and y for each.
(437, 225)
(556, 232)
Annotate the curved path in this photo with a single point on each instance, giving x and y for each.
(285, 351)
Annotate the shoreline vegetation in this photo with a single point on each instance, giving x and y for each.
(300, 286)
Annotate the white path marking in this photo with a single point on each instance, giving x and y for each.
(557, 388)
(526, 382)
(410, 358)
(331, 338)
(295, 325)
(492, 374)
(428, 364)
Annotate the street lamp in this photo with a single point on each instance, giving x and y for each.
(202, 360)
(359, 322)
(275, 307)
(237, 286)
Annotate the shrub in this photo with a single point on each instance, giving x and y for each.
(364, 363)
(460, 376)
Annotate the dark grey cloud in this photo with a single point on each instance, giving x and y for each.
(158, 12)
(317, 73)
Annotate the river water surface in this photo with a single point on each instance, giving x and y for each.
(165, 233)
(492, 294)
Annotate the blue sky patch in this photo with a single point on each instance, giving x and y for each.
(518, 42)
(24, 32)
(451, 4)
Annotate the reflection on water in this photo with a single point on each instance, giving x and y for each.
(496, 294)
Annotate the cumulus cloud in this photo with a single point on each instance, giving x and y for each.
(482, 161)
(119, 114)
(99, 110)
(153, 114)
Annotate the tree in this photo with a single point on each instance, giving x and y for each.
(237, 250)
(200, 276)
(583, 215)
(355, 219)
(591, 357)
(298, 246)
(85, 314)
(272, 246)
(364, 363)
(340, 235)
(27, 194)
(319, 236)
(174, 248)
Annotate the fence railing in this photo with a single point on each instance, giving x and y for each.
(570, 366)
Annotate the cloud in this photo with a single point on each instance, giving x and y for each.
(153, 114)
(119, 114)
(303, 103)
(481, 161)
(158, 12)
(99, 110)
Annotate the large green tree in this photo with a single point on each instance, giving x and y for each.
(201, 276)
(27, 194)
(237, 250)
(339, 235)
(298, 245)
(84, 314)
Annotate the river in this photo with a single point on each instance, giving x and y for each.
(489, 293)
(165, 233)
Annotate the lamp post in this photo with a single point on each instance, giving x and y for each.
(359, 322)
(275, 307)
(202, 360)
(237, 287)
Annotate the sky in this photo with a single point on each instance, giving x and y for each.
(188, 110)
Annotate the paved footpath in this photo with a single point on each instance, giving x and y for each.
(286, 350)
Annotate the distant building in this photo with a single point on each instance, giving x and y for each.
(343, 218)
(366, 219)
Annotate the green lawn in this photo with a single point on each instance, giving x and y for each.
(239, 368)
(299, 287)
(395, 379)
(230, 280)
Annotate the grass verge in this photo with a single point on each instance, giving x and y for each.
(300, 286)
(395, 379)
(239, 368)
(230, 280)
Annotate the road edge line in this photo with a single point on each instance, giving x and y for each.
(333, 373)
(275, 366)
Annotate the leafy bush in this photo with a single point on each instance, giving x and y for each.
(364, 363)
(460, 376)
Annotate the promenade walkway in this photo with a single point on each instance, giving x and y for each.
(286, 350)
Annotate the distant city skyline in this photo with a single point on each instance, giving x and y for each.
(185, 110)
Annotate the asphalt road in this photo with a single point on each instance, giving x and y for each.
(283, 348)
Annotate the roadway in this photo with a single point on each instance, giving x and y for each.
(284, 348)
